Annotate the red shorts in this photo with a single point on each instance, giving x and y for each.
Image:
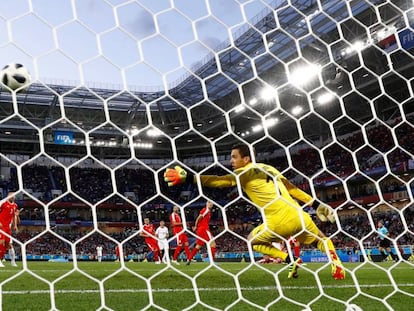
(152, 244)
(203, 235)
(181, 238)
(4, 236)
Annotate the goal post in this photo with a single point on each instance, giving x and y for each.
(122, 90)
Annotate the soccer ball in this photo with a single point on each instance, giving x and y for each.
(353, 307)
(15, 77)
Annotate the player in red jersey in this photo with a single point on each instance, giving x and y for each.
(148, 232)
(117, 253)
(9, 214)
(202, 230)
(180, 236)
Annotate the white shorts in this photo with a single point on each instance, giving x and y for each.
(163, 244)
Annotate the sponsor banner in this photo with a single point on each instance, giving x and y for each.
(323, 258)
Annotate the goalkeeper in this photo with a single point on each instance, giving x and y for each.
(276, 197)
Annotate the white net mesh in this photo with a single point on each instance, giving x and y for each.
(122, 90)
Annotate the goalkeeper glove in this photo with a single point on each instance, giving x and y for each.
(175, 176)
(324, 212)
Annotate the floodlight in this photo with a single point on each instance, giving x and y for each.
(239, 108)
(270, 122)
(325, 98)
(304, 74)
(253, 101)
(268, 93)
(297, 110)
(257, 128)
(153, 133)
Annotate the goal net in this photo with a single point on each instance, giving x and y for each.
(122, 90)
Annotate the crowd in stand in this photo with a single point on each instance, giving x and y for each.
(59, 243)
(96, 184)
(354, 228)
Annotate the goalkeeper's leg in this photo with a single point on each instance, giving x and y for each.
(338, 271)
(270, 250)
(261, 240)
(309, 237)
(273, 252)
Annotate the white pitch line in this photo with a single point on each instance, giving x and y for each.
(145, 290)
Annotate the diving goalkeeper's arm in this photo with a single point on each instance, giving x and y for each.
(177, 176)
(324, 212)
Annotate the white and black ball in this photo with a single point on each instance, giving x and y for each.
(15, 77)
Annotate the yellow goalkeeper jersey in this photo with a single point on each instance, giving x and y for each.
(265, 186)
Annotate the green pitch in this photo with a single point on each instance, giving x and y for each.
(231, 286)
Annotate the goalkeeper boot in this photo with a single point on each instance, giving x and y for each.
(338, 271)
(293, 269)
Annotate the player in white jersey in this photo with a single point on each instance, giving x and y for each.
(99, 253)
(162, 234)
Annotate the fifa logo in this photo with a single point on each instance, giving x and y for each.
(64, 139)
(407, 38)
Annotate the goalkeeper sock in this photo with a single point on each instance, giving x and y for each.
(338, 271)
(331, 250)
(270, 250)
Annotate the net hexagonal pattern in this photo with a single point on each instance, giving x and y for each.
(123, 90)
